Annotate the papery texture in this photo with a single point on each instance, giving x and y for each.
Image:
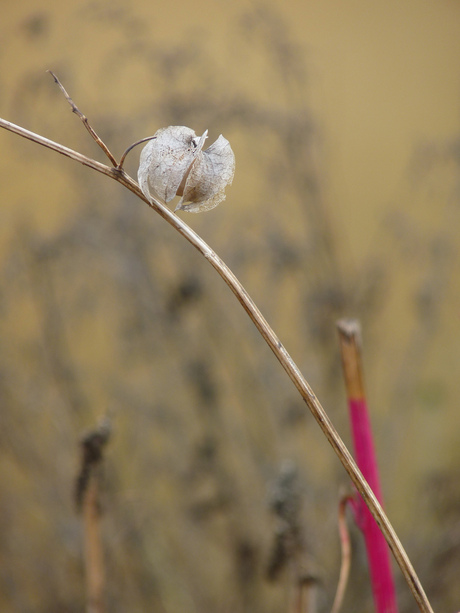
(209, 175)
(173, 164)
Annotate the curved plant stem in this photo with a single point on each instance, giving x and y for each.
(119, 166)
(273, 342)
(345, 545)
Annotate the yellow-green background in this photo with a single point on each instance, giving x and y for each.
(345, 122)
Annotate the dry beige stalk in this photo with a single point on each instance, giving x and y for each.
(292, 370)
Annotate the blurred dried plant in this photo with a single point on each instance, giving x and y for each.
(204, 436)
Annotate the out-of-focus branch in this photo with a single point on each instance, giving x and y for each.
(87, 494)
(345, 547)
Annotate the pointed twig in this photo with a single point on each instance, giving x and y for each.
(85, 121)
(273, 342)
(383, 587)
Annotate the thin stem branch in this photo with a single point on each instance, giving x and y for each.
(85, 121)
(345, 547)
(273, 342)
(139, 142)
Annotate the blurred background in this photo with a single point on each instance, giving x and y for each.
(345, 122)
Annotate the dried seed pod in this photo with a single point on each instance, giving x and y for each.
(173, 164)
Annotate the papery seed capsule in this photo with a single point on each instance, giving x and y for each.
(173, 164)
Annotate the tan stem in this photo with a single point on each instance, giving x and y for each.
(345, 545)
(274, 343)
(94, 557)
(350, 349)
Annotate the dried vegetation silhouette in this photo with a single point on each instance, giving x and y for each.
(113, 311)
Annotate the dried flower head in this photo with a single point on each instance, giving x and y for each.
(173, 164)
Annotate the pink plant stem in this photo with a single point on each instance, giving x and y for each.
(378, 554)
